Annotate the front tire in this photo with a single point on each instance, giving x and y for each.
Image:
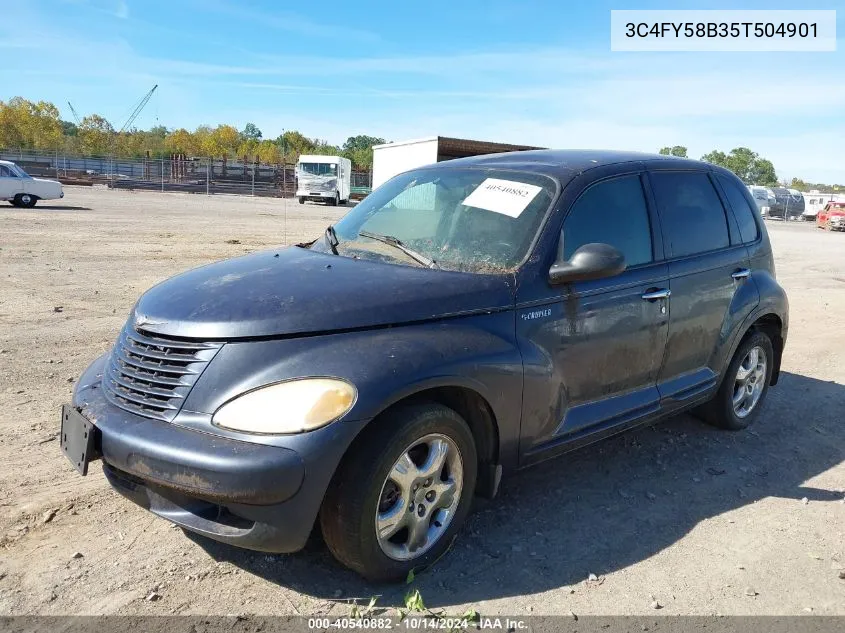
(301, 200)
(401, 493)
(740, 397)
(25, 200)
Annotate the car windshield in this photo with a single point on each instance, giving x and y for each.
(318, 169)
(19, 172)
(464, 219)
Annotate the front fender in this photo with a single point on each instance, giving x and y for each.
(386, 365)
(43, 189)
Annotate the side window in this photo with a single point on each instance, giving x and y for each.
(613, 212)
(742, 210)
(691, 213)
(5, 173)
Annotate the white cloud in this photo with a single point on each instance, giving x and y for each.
(122, 10)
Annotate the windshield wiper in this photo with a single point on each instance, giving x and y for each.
(393, 241)
(331, 239)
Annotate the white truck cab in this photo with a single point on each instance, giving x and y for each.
(325, 178)
(22, 190)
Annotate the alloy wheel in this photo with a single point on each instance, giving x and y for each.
(419, 498)
(749, 382)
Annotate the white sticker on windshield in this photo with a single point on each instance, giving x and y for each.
(502, 196)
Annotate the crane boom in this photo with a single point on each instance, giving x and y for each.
(138, 109)
(73, 112)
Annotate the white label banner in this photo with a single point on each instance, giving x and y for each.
(722, 30)
(502, 196)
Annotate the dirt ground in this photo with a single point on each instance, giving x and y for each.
(695, 520)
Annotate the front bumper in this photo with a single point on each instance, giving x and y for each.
(246, 494)
(316, 194)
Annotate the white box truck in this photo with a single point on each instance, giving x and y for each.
(390, 159)
(326, 178)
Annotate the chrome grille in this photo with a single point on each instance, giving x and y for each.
(151, 375)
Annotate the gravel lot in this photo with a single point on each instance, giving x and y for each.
(697, 520)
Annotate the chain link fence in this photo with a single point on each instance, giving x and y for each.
(176, 173)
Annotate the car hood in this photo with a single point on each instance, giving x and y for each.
(296, 291)
(42, 186)
(833, 212)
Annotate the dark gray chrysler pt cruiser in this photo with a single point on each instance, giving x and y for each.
(467, 318)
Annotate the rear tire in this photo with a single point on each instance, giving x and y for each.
(744, 387)
(25, 200)
(301, 200)
(390, 478)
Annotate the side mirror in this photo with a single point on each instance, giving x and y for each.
(590, 261)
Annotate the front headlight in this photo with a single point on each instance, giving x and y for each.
(294, 406)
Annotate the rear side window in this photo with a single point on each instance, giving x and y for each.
(613, 212)
(742, 210)
(691, 213)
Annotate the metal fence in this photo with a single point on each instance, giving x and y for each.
(176, 173)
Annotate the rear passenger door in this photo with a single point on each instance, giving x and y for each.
(708, 266)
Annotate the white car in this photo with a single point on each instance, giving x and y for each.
(22, 190)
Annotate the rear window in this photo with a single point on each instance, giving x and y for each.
(742, 210)
(691, 213)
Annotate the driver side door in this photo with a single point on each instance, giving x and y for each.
(593, 349)
(10, 184)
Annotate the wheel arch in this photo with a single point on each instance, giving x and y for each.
(771, 325)
(474, 408)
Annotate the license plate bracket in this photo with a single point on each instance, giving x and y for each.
(78, 439)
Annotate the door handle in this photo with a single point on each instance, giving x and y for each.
(660, 293)
(742, 273)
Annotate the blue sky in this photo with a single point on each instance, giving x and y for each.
(525, 72)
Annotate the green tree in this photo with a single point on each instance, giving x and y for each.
(359, 149)
(251, 132)
(68, 128)
(748, 165)
(293, 143)
(248, 150)
(676, 150)
(29, 124)
(325, 148)
(269, 152)
(181, 142)
(96, 135)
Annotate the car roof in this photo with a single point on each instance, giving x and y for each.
(566, 163)
(6, 162)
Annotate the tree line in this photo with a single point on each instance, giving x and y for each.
(751, 168)
(38, 125)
